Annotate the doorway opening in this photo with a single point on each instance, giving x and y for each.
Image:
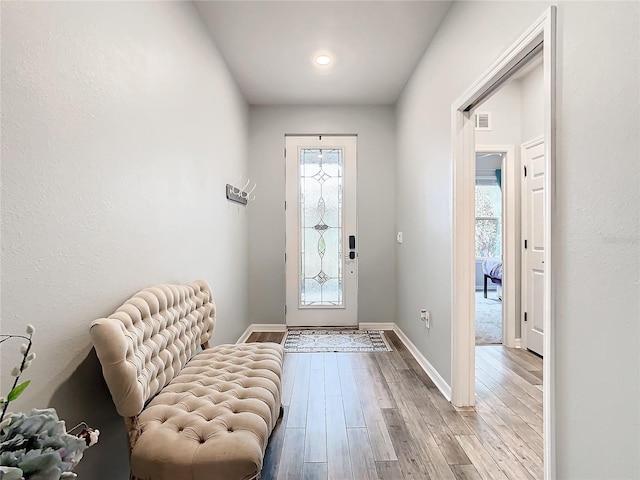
(539, 38)
(489, 226)
(497, 248)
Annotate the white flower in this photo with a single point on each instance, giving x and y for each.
(26, 365)
(15, 372)
(93, 437)
(3, 400)
(31, 357)
(11, 473)
(5, 422)
(23, 348)
(31, 329)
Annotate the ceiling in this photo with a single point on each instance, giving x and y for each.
(269, 47)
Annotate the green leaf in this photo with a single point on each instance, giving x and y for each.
(15, 393)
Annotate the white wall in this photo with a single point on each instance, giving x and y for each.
(517, 110)
(120, 128)
(375, 127)
(505, 108)
(532, 104)
(598, 241)
(596, 237)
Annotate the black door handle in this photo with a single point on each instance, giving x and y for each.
(352, 242)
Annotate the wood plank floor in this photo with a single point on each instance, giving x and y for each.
(378, 416)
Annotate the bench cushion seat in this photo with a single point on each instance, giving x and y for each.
(213, 420)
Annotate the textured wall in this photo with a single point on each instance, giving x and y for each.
(532, 124)
(505, 108)
(597, 242)
(375, 127)
(120, 128)
(596, 238)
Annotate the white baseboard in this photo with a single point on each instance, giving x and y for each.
(376, 326)
(261, 327)
(269, 327)
(437, 379)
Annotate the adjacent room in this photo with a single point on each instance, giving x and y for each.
(277, 181)
(488, 267)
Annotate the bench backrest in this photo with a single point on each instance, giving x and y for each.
(148, 340)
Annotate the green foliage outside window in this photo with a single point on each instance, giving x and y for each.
(488, 220)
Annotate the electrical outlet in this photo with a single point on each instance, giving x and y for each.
(399, 237)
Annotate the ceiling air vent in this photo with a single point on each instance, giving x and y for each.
(483, 120)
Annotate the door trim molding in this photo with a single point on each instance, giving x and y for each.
(510, 239)
(541, 35)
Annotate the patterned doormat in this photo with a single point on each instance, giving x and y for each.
(299, 341)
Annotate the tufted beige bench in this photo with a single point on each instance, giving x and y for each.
(191, 413)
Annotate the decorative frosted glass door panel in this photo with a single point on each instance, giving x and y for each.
(321, 261)
(321, 227)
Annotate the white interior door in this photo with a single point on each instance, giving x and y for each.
(534, 239)
(321, 244)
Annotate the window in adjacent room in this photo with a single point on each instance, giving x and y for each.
(488, 217)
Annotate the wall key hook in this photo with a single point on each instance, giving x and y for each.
(240, 195)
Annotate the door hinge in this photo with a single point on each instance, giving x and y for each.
(525, 244)
(525, 170)
(285, 204)
(285, 309)
(285, 153)
(525, 316)
(285, 257)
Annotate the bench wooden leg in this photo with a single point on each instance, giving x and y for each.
(485, 285)
(133, 432)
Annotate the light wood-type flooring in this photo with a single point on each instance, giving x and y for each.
(379, 416)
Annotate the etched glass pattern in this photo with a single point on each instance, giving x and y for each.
(321, 190)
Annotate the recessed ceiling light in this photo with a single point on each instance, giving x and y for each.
(323, 60)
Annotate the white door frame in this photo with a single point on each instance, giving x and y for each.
(510, 238)
(541, 34)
